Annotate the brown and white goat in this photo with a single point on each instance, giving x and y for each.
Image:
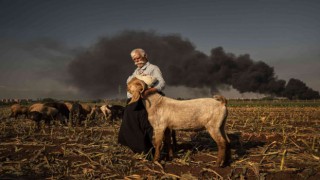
(166, 113)
(39, 111)
(17, 109)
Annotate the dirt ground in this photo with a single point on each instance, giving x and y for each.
(266, 143)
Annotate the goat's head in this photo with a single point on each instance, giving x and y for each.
(136, 87)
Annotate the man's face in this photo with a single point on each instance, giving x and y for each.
(139, 61)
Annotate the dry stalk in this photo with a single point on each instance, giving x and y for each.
(186, 157)
(313, 143)
(315, 157)
(245, 124)
(268, 147)
(38, 153)
(218, 176)
(161, 167)
(133, 176)
(16, 149)
(232, 125)
(83, 154)
(48, 164)
(304, 142)
(269, 154)
(283, 159)
(255, 167)
(296, 132)
(299, 147)
(151, 170)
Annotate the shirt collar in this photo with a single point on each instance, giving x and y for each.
(145, 66)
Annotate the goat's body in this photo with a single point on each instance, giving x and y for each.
(184, 114)
(39, 111)
(17, 110)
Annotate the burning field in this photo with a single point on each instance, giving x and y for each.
(269, 140)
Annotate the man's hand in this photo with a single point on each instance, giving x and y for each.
(148, 92)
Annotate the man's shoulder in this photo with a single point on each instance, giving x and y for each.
(152, 66)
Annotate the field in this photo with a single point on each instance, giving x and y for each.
(269, 140)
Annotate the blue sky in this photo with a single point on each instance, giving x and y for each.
(285, 34)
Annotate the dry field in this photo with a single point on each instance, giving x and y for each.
(267, 142)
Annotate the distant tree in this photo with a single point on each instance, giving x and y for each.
(45, 100)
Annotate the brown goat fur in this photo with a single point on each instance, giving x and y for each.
(39, 111)
(17, 109)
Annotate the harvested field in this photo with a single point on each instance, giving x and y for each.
(267, 142)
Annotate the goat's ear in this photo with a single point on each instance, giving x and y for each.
(135, 97)
(143, 86)
(138, 88)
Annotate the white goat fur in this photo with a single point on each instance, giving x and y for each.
(195, 114)
(106, 111)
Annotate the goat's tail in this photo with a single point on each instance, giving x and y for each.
(220, 98)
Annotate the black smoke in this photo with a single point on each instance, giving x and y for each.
(297, 89)
(103, 69)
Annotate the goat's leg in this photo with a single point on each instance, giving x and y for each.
(158, 138)
(222, 146)
(174, 140)
(228, 157)
(105, 116)
(168, 144)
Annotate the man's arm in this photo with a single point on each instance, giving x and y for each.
(158, 75)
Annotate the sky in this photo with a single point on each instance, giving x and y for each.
(40, 39)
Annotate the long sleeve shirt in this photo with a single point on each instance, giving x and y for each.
(151, 70)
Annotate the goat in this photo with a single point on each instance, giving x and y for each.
(86, 109)
(116, 112)
(17, 109)
(69, 105)
(106, 111)
(39, 111)
(78, 111)
(61, 107)
(166, 113)
(94, 111)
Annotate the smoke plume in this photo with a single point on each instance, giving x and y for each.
(103, 69)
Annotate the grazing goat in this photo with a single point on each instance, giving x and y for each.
(86, 109)
(39, 111)
(112, 112)
(165, 113)
(106, 111)
(69, 105)
(17, 109)
(61, 107)
(78, 111)
(95, 111)
(116, 112)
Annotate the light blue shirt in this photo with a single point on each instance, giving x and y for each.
(151, 70)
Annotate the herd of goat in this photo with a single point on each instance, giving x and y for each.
(66, 112)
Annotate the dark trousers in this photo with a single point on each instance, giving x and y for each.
(135, 130)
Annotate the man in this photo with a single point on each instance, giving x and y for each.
(136, 131)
